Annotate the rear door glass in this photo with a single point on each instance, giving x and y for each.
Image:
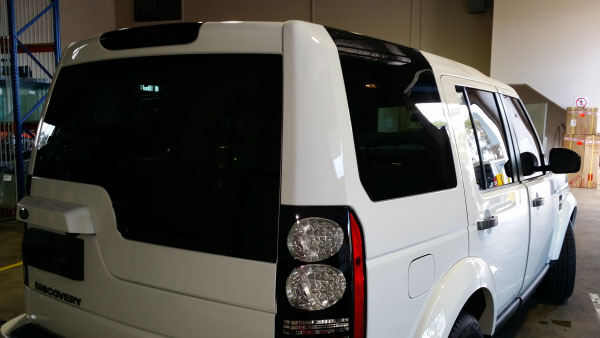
(187, 146)
(488, 127)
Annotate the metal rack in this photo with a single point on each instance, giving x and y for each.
(29, 54)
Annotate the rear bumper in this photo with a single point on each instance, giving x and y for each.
(65, 320)
(7, 330)
(212, 318)
(11, 325)
(20, 328)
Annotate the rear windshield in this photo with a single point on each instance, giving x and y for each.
(187, 146)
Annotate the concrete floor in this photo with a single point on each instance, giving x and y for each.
(12, 300)
(576, 318)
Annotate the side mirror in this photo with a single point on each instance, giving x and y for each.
(529, 163)
(564, 161)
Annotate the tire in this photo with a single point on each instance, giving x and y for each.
(466, 326)
(559, 282)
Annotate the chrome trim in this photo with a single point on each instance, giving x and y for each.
(318, 326)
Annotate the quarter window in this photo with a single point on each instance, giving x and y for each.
(400, 131)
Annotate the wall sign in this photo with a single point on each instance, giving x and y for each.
(581, 101)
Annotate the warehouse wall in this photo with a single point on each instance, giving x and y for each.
(439, 26)
(551, 45)
(82, 18)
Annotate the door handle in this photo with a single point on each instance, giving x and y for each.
(487, 223)
(538, 202)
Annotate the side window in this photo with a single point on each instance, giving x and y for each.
(527, 140)
(400, 132)
(493, 168)
(471, 138)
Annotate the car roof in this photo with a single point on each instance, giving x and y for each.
(444, 66)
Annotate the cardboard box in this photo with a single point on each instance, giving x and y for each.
(590, 162)
(577, 144)
(582, 121)
(588, 147)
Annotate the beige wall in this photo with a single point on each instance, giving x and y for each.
(83, 18)
(551, 45)
(447, 29)
(439, 26)
(383, 19)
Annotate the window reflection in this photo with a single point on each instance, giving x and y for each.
(433, 113)
(492, 148)
(45, 133)
(464, 111)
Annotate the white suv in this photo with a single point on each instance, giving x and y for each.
(284, 179)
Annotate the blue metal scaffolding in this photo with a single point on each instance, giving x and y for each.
(30, 70)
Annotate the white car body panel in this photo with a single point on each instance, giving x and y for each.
(60, 216)
(504, 247)
(319, 168)
(190, 290)
(164, 291)
(317, 146)
(542, 223)
(217, 38)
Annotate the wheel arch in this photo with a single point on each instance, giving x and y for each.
(567, 215)
(481, 306)
(469, 284)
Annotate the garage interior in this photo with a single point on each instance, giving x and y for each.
(547, 55)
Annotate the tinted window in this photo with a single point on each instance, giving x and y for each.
(188, 147)
(527, 140)
(491, 138)
(399, 128)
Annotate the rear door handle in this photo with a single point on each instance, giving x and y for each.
(487, 223)
(538, 202)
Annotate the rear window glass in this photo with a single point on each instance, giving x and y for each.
(400, 132)
(188, 147)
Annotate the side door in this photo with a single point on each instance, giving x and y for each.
(543, 203)
(497, 206)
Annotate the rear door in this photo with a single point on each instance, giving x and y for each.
(174, 156)
(496, 204)
(543, 203)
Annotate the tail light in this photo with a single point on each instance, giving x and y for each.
(320, 273)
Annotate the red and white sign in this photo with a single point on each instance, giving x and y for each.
(581, 101)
